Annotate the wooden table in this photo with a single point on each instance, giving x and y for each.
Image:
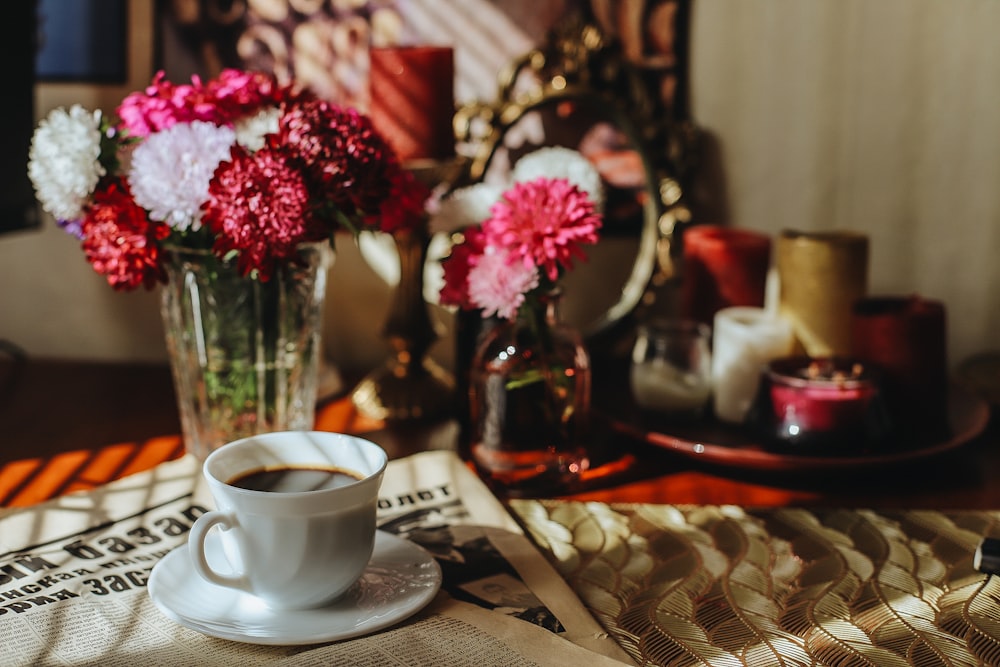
(68, 425)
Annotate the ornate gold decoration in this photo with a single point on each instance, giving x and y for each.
(724, 585)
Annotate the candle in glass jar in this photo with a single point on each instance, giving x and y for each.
(723, 267)
(823, 402)
(412, 100)
(744, 340)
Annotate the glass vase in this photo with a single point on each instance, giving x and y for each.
(529, 392)
(244, 354)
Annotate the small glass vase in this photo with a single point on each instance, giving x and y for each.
(244, 354)
(529, 392)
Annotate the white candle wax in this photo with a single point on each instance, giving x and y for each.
(659, 385)
(745, 339)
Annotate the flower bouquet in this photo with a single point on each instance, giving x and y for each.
(529, 382)
(229, 192)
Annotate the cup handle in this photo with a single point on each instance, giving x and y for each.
(196, 547)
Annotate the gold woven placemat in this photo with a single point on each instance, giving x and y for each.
(724, 585)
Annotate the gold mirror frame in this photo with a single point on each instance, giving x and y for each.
(581, 65)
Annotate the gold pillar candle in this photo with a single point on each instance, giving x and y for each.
(821, 275)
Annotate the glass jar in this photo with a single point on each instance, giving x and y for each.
(671, 369)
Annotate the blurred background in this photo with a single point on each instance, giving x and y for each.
(832, 114)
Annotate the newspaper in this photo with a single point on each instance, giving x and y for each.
(73, 576)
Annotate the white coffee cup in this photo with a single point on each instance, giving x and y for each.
(292, 549)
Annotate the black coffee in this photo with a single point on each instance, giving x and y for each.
(293, 479)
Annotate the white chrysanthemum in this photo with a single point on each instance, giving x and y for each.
(171, 170)
(465, 207)
(250, 131)
(560, 162)
(63, 161)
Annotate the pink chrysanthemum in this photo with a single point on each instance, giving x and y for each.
(542, 223)
(232, 95)
(498, 283)
(259, 206)
(121, 243)
(163, 104)
(348, 162)
(404, 208)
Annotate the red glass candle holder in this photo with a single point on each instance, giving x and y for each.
(827, 406)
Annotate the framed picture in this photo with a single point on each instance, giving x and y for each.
(82, 40)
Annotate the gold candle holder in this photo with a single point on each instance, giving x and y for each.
(821, 275)
(411, 385)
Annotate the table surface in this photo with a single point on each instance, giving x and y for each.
(72, 425)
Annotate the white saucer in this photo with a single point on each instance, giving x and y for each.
(400, 580)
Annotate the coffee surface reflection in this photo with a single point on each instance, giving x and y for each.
(292, 479)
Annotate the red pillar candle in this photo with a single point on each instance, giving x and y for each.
(723, 267)
(412, 99)
(905, 338)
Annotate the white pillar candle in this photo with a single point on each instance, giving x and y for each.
(745, 339)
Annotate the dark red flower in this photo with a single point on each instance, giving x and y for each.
(259, 206)
(403, 209)
(121, 243)
(347, 160)
(456, 266)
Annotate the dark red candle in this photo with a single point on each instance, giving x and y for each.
(723, 267)
(905, 338)
(412, 99)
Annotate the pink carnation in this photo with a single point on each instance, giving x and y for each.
(542, 223)
(259, 206)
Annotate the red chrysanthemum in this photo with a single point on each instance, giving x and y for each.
(456, 267)
(259, 206)
(347, 160)
(543, 223)
(404, 209)
(120, 242)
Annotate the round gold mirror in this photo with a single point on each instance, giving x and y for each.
(579, 93)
